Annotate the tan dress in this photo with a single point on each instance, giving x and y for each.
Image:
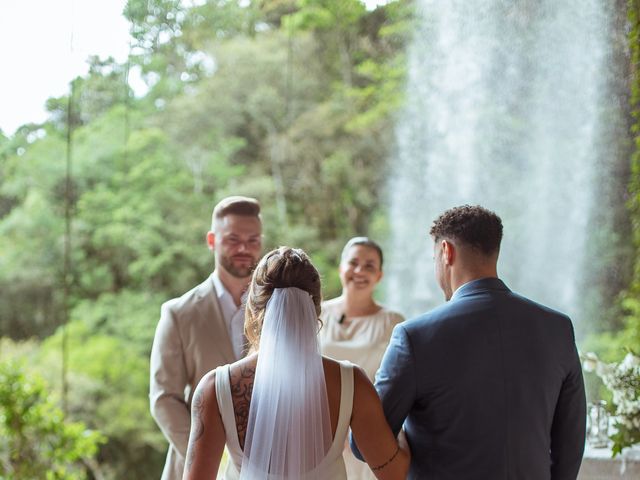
(362, 341)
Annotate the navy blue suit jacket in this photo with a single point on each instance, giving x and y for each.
(488, 386)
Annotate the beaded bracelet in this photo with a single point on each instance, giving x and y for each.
(380, 467)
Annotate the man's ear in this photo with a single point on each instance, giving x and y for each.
(211, 240)
(448, 252)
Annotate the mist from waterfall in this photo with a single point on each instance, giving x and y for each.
(504, 109)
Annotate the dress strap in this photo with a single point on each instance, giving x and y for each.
(346, 398)
(225, 406)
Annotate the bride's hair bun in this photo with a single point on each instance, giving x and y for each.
(280, 268)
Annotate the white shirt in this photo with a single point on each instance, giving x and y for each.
(458, 289)
(454, 293)
(233, 315)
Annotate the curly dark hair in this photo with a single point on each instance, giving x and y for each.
(472, 225)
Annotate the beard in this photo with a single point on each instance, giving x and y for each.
(235, 270)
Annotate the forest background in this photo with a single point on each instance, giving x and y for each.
(290, 101)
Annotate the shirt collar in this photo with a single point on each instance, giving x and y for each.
(453, 295)
(222, 293)
(488, 283)
(220, 290)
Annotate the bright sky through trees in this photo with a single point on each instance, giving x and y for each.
(45, 44)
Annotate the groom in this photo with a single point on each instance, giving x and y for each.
(488, 385)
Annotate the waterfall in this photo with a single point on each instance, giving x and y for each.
(504, 109)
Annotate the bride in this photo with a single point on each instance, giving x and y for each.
(284, 411)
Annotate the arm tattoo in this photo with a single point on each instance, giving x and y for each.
(241, 389)
(380, 467)
(197, 426)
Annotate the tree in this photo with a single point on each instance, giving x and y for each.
(630, 301)
(37, 441)
(240, 102)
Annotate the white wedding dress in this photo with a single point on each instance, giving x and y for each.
(333, 464)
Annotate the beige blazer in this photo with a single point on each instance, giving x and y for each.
(191, 339)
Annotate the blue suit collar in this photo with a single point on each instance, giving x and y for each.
(479, 285)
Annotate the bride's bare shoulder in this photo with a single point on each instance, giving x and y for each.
(328, 362)
(208, 381)
(332, 367)
(245, 368)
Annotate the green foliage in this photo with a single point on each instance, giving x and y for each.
(381, 96)
(127, 315)
(623, 438)
(108, 383)
(130, 224)
(37, 441)
(327, 15)
(29, 274)
(631, 308)
(288, 101)
(613, 345)
(630, 303)
(622, 379)
(634, 187)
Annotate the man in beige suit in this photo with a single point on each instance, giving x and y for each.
(204, 328)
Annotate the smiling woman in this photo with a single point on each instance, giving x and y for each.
(355, 327)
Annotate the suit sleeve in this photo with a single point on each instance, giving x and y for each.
(168, 381)
(395, 382)
(569, 423)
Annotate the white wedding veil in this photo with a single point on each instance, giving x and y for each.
(289, 428)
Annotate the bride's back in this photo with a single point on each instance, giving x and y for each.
(241, 377)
